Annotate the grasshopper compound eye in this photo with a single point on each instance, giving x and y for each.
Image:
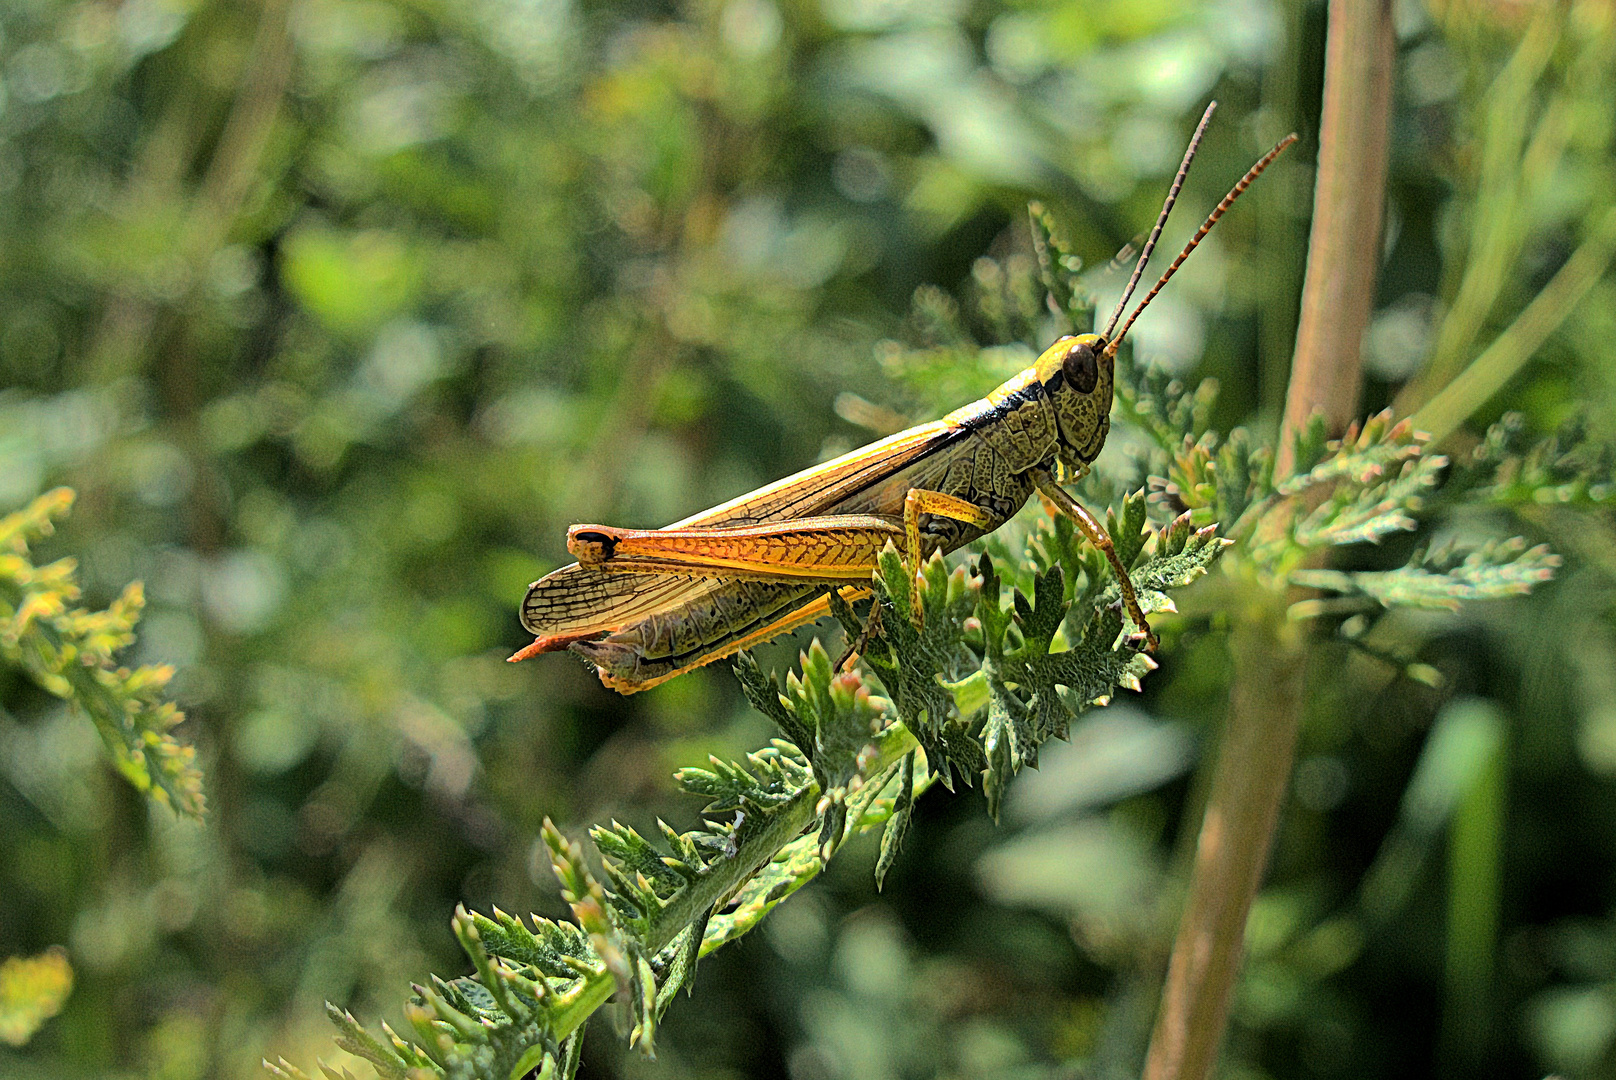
(1081, 368)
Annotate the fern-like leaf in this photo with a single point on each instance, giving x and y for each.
(1442, 577)
(68, 650)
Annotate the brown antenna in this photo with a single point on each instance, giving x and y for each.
(1200, 234)
(1167, 208)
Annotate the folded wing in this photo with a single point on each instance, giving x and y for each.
(577, 601)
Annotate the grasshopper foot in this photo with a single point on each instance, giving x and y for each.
(1142, 638)
(1144, 641)
(872, 624)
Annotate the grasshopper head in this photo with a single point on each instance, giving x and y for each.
(1076, 374)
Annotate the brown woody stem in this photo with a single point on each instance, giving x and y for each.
(1265, 703)
(1349, 193)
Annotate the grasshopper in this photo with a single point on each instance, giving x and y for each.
(643, 606)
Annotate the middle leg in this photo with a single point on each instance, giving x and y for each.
(923, 501)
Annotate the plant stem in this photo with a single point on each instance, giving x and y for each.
(1510, 351)
(1349, 193)
(1500, 223)
(1280, 215)
(1270, 651)
(1251, 776)
(1475, 858)
(723, 878)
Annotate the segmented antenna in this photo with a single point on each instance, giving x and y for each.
(1200, 234)
(1167, 208)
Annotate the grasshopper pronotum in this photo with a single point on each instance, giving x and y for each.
(646, 605)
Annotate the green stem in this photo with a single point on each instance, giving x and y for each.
(1475, 855)
(1251, 778)
(784, 826)
(1488, 373)
(1498, 230)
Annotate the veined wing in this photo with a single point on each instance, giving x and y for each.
(818, 489)
(577, 601)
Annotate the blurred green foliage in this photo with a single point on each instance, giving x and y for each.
(337, 312)
(32, 990)
(68, 652)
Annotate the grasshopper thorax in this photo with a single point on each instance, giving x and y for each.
(1076, 375)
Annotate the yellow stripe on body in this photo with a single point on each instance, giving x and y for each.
(821, 549)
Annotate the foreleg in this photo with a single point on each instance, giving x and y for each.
(1095, 533)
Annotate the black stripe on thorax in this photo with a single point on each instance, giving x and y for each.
(994, 412)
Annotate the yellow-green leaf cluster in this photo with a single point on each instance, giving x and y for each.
(68, 650)
(32, 990)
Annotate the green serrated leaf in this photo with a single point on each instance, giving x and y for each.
(1244, 473)
(1444, 576)
(1157, 403)
(1032, 693)
(1509, 468)
(915, 662)
(1310, 444)
(1127, 533)
(898, 823)
(764, 695)
(682, 972)
(642, 997)
(1357, 514)
(1040, 620)
(1374, 448)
